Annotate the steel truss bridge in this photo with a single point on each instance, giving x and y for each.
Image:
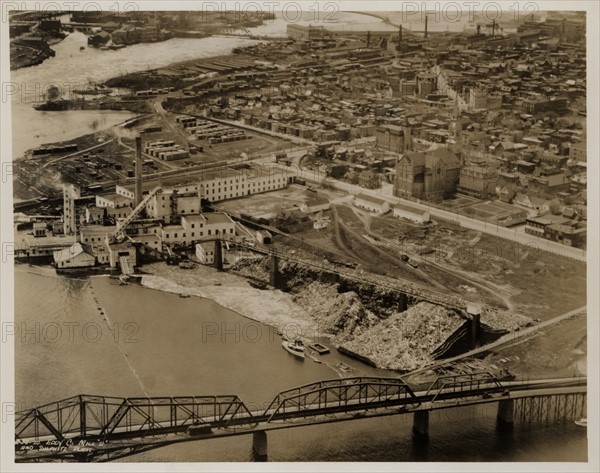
(101, 428)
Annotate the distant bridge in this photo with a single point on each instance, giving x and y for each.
(252, 36)
(99, 428)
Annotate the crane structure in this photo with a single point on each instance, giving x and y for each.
(119, 234)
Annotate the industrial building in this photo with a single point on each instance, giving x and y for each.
(75, 256)
(70, 194)
(150, 217)
(409, 212)
(371, 204)
(230, 184)
(205, 252)
(308, 33)
(198, 227)
(166, 150)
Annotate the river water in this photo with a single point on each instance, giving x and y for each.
(93, 336)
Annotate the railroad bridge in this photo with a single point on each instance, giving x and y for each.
(101, 428)
(404, 287)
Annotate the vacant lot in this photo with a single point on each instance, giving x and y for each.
(532, 282)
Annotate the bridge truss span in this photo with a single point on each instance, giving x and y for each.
(101, 417)
(345, 394)
(463, 383)
(100, 428)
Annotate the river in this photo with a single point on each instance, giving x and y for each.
(135, 341)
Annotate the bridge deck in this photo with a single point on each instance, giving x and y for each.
(143, 436)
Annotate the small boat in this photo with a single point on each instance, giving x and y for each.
(581, 422)
(81, 48)
(319, 348)
(296, 348)
(183, 296)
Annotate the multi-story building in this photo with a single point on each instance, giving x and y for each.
(430, 175)
(172, 203)
(426, 85)
(136, 34)
(231, 184)
(539, 105)
(477, 98)
(308, 33)
(70, 193)
(558, 228)
(578, 151)
(478, 179)
(205, 252)
(369, 179)
(394, 138)
(196, 228)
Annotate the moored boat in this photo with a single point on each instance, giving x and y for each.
(319, 348)
(581, 422)
(296, 348)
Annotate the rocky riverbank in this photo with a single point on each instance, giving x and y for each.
(372, 323)
(26, 56)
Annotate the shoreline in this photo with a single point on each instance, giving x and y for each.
(235, 293)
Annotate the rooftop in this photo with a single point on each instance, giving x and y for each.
(370, 198)
(410, 208)
(549, 219)
(217, 217)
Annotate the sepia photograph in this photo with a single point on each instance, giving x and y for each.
(345, 233)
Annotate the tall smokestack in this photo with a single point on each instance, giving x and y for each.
(426, 26)
(138, 170)
(400, 35)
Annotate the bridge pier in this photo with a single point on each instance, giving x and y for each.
(274, 276)
(403, 302)
(218, 256)
(420, 428)
(475, 330)
(259, 446)
(506, 413)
